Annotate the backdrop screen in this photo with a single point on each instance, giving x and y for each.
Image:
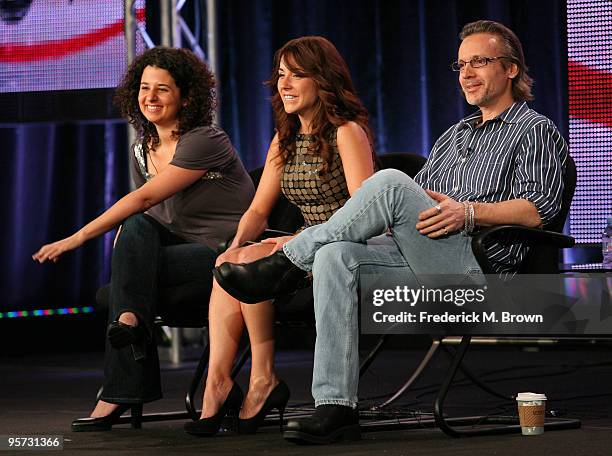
(589, 31)
(49, 45)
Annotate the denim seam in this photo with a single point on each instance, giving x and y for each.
(294, 260)
(343, 402)
(348, 350)
(358, 264)
(351, 312)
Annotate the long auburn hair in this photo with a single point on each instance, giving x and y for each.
(337, 102)
(192, 77)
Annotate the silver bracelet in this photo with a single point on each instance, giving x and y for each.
(472, 222)
(468, 225)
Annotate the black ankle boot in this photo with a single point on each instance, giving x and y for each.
(330, 423)
(206, 427)
(105, 423)
(261, 280)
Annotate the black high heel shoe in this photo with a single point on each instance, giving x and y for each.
(120, 334)
(277, 399)
(105, 423)
(210, 426)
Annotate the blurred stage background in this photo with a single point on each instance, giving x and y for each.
(64, 151)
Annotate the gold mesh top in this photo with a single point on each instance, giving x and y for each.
(317, 197)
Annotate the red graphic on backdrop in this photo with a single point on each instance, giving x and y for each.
(53, 49)
(590, 93)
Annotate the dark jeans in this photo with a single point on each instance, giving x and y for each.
(147, 257)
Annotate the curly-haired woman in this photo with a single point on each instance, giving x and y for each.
(320, 155)
(191, 190)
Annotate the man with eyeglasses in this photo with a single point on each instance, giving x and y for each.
(503, 164)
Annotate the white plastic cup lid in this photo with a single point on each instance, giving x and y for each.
(530, 397)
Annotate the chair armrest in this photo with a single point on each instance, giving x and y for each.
(523, 233)
(273, 233)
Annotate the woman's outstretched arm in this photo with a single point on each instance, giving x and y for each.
(168, 182)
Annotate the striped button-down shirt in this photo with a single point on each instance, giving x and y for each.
(518, 154)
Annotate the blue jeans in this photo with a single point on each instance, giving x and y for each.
(147, 257)
(352, 242)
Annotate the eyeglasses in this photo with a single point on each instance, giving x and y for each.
(476, 62)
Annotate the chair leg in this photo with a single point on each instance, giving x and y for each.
(476, 380)
(196, 381)
(435, 344)
(448, 380)
(365, 364)
(99, 394)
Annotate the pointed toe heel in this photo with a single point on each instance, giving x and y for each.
(277, 399)
(206, 427)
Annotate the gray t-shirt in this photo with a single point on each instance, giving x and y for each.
(208, 211)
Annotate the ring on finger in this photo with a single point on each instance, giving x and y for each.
(445, 231)
(438, 208)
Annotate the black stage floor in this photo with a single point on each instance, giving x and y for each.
(43, 394)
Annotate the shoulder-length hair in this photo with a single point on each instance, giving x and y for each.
(512, 48)
(194, 80)
(337, 102)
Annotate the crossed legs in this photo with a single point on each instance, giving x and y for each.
(348, 245)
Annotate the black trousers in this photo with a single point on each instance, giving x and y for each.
(147, 257)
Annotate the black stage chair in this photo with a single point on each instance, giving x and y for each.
(543, 258)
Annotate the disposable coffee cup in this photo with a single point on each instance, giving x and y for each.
(531, 407)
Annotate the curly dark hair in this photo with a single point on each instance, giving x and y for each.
(192, 77)
(337, 103)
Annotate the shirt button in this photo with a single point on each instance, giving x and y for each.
(456, 189)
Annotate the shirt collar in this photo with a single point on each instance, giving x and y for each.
(509, 116)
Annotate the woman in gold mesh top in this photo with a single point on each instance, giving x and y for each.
(321, 153)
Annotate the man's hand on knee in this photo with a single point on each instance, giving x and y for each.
(446, 217)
